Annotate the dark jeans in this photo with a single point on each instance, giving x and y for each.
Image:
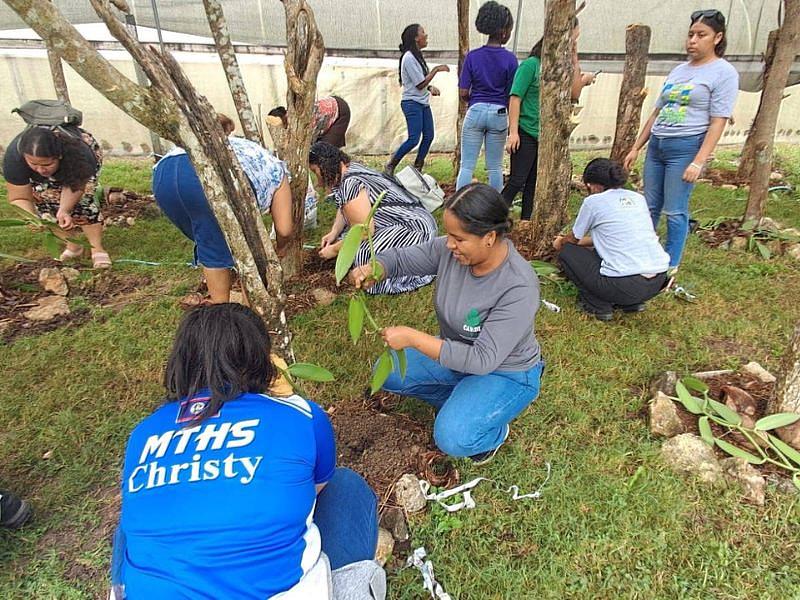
(419, 120)
(600, 293)
(523, 173)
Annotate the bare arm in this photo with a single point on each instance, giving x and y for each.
(281, 211)
(357, 210)
(514, 104)
(429, 77)
(644, 135)
(22, 196)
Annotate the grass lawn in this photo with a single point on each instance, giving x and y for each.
(612, 521)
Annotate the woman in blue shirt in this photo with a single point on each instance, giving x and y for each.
(230, 492)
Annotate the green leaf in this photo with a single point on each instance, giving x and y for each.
(16, 258)
(705, 430)
(689, 402)
(776, 421)
(763, 251)
(355, 317)
(402, 362)
(729, 415)
(382, 371)
(347, 253)
(738, 452)
(543, 268)
(52, 244)
(784, 448)
(796, 480)
(12, 222)
(749, 225)
(309, 372)
(694, 384)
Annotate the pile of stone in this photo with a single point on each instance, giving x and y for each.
(54, 281)
(686, 452)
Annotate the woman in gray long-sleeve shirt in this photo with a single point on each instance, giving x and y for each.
(484, 367)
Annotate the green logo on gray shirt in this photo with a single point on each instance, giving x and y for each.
(472, 324)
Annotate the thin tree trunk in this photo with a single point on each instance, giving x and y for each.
(463, 48)
(222, 40)
(172, 108)
(57, 71)
(632, 92)
(748, 155)
(787, 45)
(304, 53)
(787, 391)
(554, 167)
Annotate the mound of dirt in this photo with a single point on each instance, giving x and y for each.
(120, 205)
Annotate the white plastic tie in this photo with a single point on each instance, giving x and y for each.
(465, 489)
(429, 583)
(550, 306)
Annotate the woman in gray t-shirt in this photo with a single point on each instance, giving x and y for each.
(484, 367)
(690, 115)
(415, 78)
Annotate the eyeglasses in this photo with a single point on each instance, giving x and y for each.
(708, 14)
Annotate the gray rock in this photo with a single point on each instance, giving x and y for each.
(687, 453)
(408, 494)
(394, 520)
(739, 242)
(794, 251)
(385, 546)
(130, 221)
(783, 485)
(48, 308)
(775, 247)
(759, 372)
(53, 281)
(770, 224)
(665, 383)
(70, 274)
(323, 297)
(738, 470)
(775, 176)
(729, 186)
(664, 419)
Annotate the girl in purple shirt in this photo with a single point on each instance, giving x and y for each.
(485, 82)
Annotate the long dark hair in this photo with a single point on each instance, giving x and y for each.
(480, 209)
(224, 348)
(75, 168)
(409, 44)
(716, 20)
(329, 159)
(493, 19)
(606, 172)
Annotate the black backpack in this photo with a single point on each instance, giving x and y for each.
(55, 114)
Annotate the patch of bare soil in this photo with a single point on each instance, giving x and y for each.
(120, 205)
(317, 274)
(20, 292)
(383, 445)
(722, 233)
(720, 177)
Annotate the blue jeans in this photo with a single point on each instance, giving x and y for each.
(346, 516)
(666, 191)
(419, 119)
(473, 411)
(487, 123)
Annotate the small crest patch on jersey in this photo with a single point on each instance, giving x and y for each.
(188, 410)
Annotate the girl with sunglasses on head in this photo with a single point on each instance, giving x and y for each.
(690, 115)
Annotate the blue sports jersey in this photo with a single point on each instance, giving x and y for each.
(224, 509)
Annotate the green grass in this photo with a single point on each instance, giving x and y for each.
(599, 530)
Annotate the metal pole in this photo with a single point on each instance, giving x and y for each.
(516, 24)
(158, 24)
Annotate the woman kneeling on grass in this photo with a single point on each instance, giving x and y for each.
(400, 219)
(612, 253)
(485, 366)
(229, 492)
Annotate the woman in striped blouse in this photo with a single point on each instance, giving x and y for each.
(399, 221)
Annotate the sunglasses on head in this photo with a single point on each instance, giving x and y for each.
(708, 14)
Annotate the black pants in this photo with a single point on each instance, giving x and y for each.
(600, 293)
(523, 173)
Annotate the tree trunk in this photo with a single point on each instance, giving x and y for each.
(748, 155)
(304, 53)
(172, 108)
(787, 45)
(632, 92)
(222, 40)
(554, 168)
(463, 48)
(57, 71)
(787, 391)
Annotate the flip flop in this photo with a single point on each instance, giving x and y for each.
(68, 254)
(101, 260)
